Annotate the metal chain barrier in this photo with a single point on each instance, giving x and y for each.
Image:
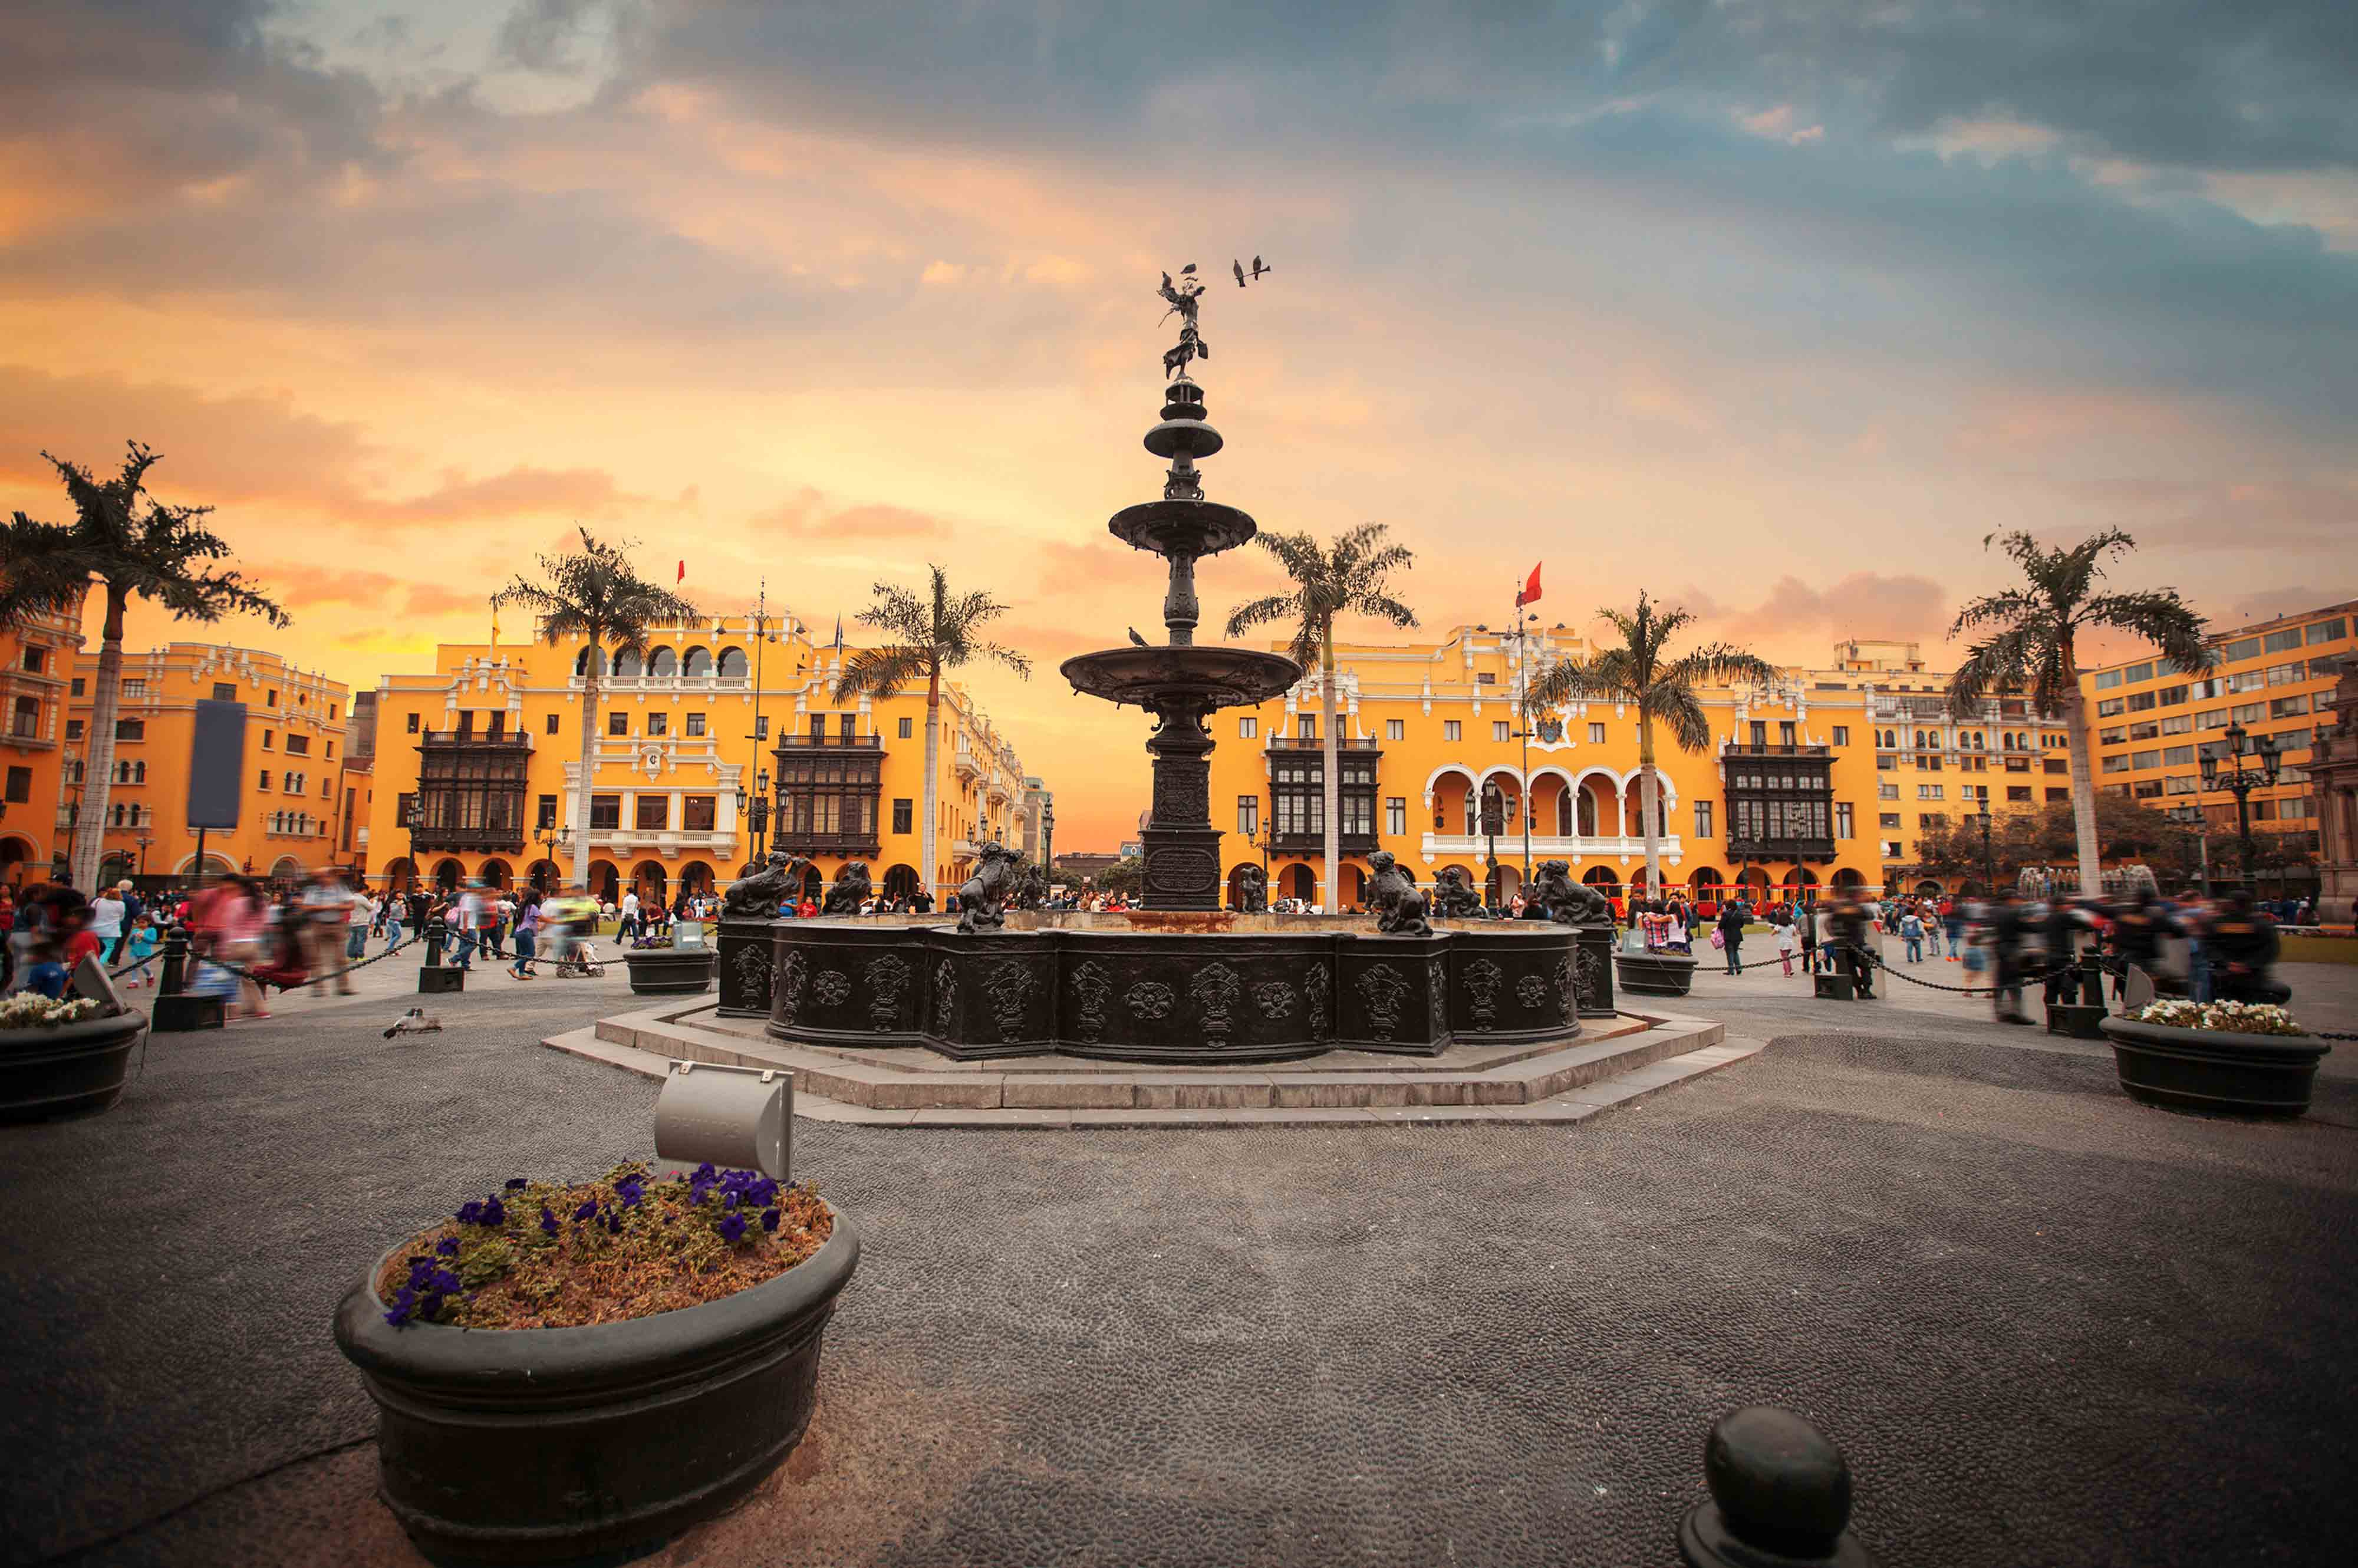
(243, 973)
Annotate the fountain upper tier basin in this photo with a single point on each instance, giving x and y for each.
(1204, 676)
(1188, 528)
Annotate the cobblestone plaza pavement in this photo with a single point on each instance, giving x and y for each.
(2049, 1326)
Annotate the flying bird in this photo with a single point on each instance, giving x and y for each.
(1136, 638)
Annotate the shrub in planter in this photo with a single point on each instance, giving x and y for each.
(2232, 1057)
(63, 1057)
(570, 1370)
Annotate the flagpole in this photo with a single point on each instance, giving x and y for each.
(1523, 729)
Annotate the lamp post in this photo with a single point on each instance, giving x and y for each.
(2241, 781)
(144, 840)
(2192, 816)
(1494, 818)
(1989, 862)
(754, 809)
(550, 841)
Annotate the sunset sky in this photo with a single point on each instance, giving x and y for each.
(1775, 308)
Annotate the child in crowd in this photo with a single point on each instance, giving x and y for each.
(141, 945)
(44, 976)
(1911, 932)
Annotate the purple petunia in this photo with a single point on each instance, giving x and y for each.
(732, 1228)
(471, 1213)
(447, 1247)
(405, 1306)
(769, 1219)
(547, 1220)
(586, 1210)
(629, 1190)
(494, 1212)
(517, 1184)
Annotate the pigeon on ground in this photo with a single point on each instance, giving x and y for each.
(415, 1021)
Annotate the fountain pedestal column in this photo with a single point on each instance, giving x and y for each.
(1183, 848)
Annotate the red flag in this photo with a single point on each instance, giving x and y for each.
(683, 573)
(1531, 593)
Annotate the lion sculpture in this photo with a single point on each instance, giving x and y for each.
(851, 890)
(1031, 885)
(1398, 906)
(1453, 897)
(757, 896)
(1555, 897)
(983, 902)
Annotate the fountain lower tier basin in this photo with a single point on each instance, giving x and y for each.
(1199, 675)
(1175, 998)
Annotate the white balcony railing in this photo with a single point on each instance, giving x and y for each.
(1446, 846)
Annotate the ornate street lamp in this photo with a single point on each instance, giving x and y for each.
(1494, 822)
(753, 809)
(144, 840)
(1989, 863)
(2241, 781)
(2192, 816)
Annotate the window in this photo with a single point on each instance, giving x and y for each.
(2140, 702)
(1886, 819)
(1887, 791)
(2214, 720)
(2138, 671)
(36, 659)
(2247, 680)
(700, 813)
(2111, 707)
(2278, 642)
(2331, 630)
(605, 813)
(1248, 814)
(2181, 784)
(1248, 728)
(552, 724)
(412, 725)
(2288, 707)
(2171, 695)
(77, 685)
(544, 813)
(134, 686)
(131, 729)
(2172, 755)
(1498, 730)
(2178, 724)
(847, 725)
(1702, 818)
(265, 779)
(2248, 712)
(2249, 648)
(2054, 794)
(1596, 734)
(292, 784)
(270, 699)
(1759, 732)
(270, 739)
(1395, 729)
(1842, 734)
(2142, 761)
(1929, 792)
(2108, 679)
(21, 783)
(1843, 826)
(1451, 729)
(1306, 726)
(298, 745)
(902, 810)
(762, 727)
(2146, 789)
(618, 723)
(1933, 819)
(1396, 814)
(658, 723)
(695, 723)
(73, 729)
(2112, 735)
(908, 728)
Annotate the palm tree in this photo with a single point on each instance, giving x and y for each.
(928, 637)
(593, 592)
(2032, 648)
(135, 545)
(1640, 673)
(1348, 579)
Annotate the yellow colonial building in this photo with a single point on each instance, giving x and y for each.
(1821, 777)
(476, 766)
(292, 794)
(35, 664)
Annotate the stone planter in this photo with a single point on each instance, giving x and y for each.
(74, 1069)
(542, 1445)
(2211, 1071)
(1655, 973)
(670, 971)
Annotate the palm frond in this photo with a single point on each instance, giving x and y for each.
(2159, 617)
(881, 672)
(1674, 706)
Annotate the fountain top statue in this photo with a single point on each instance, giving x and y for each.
(1178, 680)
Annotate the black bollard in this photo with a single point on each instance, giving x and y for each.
(175, 1009)
(432, 978)
(1780, 1497)
(2081, 1019)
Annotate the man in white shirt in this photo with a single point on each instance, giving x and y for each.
(327, 909)
(630, 926)
(466, 920)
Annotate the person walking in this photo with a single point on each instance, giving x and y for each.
(528, 933)
(465, 918)
(389, 916)
(2006, 929)
(1847, 937)
(630, 925)
(326, 917)
(1911, 936)
(141, 945)
(106, 917)
(1788, 940)
(1732, 919)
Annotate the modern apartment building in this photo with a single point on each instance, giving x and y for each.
(36, 666)
(2151, 727)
